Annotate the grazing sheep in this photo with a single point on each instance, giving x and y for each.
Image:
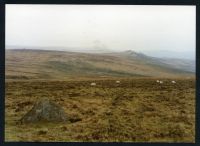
(161, 82)
(158, 81)
(93, 84)
(173, 82)
(117, 82)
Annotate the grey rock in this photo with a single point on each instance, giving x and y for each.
(44, 110)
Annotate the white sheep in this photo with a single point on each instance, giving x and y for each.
(161, 82)
(93, 84)
(158, 81)
(173, 82)
(117, 82)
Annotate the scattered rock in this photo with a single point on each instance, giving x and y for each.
(44, 110)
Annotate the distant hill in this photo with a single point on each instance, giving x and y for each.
(189, 54)
(46, 64)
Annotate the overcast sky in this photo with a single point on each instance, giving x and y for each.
(114, 27)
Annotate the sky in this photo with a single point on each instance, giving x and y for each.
(108, 27)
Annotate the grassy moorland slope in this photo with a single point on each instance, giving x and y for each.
(40, 64)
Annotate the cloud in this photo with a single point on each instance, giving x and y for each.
(117, 27)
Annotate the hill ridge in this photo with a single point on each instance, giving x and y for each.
(49, 64)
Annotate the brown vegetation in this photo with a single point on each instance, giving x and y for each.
(136, 110)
